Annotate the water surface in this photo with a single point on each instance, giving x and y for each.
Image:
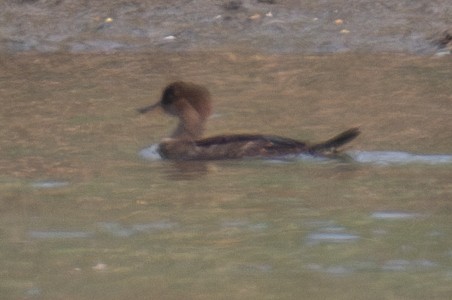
(84, 216)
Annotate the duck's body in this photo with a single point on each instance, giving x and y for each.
(192, 105)
(249, 145)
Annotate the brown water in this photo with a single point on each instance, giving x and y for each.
(83, 216)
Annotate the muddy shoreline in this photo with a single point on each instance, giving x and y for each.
(270, 26)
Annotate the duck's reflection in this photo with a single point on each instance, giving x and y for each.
(188, 170)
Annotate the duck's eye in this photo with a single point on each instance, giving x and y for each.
(168, 97)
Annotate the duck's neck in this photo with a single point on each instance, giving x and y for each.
(191, 124)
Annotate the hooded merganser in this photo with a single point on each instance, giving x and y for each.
(191, 103)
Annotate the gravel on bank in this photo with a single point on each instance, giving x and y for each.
(273, 26)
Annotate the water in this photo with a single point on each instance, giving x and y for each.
(398, 157)
(85, 216)
(49, 184)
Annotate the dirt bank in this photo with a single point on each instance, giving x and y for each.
(332, 26)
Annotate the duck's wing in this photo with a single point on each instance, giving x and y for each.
(247, 138)
(257, 145)
(248, 145)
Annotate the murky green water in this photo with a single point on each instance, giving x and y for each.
(83, 216)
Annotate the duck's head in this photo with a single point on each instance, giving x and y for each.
(190, 102)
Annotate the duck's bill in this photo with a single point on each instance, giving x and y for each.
(146, 109)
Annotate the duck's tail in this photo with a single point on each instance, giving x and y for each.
(332, 144)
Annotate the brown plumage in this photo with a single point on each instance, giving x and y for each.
(191, 103)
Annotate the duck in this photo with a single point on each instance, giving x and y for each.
(191, 103)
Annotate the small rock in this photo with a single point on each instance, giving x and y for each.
(233, 5)
(169, 38)
(255, 17)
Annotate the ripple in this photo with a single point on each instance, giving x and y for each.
(50, 184)
(256, 268)
(405, 265)
(397, 157)
(328, 237)
(393, 215)
(59, 234)
(243, 224)
(150, 152)
(365, 157)
(344, 269)
(119, 230)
